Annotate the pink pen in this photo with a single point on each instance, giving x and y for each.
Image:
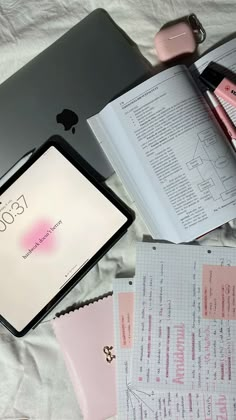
(223, 117)
(219, 84)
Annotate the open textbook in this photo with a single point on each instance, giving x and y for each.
(171, 153)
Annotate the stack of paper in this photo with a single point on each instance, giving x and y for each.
(176, 333)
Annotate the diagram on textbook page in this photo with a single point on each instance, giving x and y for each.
(214, 166)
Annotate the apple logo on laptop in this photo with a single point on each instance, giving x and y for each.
(68, 119)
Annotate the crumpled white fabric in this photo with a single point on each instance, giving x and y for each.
(34, 382)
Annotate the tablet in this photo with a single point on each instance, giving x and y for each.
(56, 222)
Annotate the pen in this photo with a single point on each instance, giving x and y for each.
(15, 167)
(223, 117)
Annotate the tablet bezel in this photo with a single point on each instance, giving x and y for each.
(78, 162)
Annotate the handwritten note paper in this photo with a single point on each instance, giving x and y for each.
(175, 347)
(137, 402)
(132, 402)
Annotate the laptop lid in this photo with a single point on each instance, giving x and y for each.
(64, 85)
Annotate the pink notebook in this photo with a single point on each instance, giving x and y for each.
(86, 337)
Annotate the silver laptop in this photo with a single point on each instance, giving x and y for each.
(58, 90)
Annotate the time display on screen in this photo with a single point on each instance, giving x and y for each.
(15, 209)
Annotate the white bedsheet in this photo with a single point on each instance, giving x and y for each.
(33, 379)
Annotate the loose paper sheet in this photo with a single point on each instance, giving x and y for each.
(136, 402)
(175, 345)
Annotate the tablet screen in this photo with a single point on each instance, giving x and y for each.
(52, 221)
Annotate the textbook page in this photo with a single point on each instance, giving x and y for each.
(185, 312)
(171, 155)
(225, 55)
(137, 403)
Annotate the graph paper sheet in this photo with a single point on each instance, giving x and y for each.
(178, 288)
(132, 402)
(137, 402)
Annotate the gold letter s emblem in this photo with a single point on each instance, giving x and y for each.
(108, 353)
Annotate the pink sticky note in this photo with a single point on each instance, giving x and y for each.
(126, 309)
(219, 292)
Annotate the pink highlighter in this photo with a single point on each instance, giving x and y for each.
(219, 84)
(223, 117)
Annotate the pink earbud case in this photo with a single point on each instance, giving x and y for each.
(174, 41)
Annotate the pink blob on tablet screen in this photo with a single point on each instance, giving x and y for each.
(40, 237)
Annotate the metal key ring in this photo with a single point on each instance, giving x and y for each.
(197, 28)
